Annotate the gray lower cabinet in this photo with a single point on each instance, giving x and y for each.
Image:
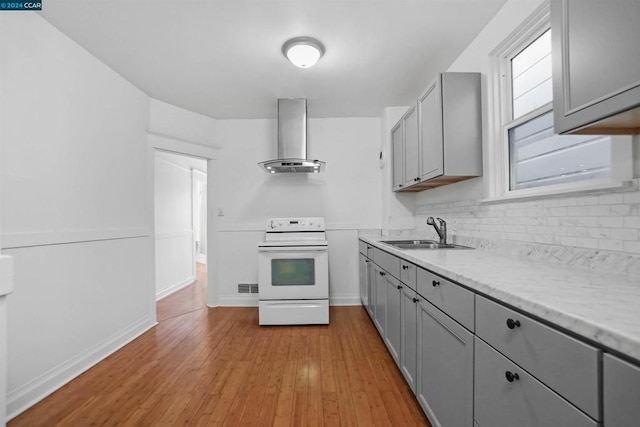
(506, 395)
(364, 278)
(621, 392)
(445, 368)
(392, 329)
(371, 289)
(562, 363)
(408, 335)
(380, 311)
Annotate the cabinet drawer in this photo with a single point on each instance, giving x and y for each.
(524, 402)
(568, 366)
(408, 274)
(453, 299)
(621, 388)
(388, 262)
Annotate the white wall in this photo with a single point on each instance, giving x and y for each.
(175, 264)
(169, 120)
(596, 230)
(75, 207)
(347, 195)
(476, 58)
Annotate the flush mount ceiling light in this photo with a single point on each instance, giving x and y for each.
(303, 52)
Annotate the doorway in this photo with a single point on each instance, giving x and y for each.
(180, 223)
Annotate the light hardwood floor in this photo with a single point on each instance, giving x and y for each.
(215, 366)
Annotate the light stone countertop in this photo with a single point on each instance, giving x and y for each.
(603, 308)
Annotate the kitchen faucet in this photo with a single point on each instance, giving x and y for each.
(442, 230)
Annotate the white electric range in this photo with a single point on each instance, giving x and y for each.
(293, 272)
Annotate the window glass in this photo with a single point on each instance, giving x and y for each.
(531, 76)
(539, 157)
(293, 272)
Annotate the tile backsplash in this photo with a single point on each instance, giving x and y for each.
(596, 231)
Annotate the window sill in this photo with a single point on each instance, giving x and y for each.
(603, 186)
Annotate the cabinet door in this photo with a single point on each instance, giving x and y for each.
(398, 155)
(445, 368)
(408, 335)
(430, 132)
(381, 300)
(411, 151)
(392, 329)
(371, 289)
(596, 58)
(621, 392)
(364, 289)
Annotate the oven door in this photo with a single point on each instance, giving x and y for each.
(293, 273)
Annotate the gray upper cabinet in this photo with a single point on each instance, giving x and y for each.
(397, 147)
(430, 134)
(621, 392)
(596, 66)
(449, 133)
(411, 148)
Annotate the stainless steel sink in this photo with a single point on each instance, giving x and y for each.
(422, 244)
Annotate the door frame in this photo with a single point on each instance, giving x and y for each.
(210, 153)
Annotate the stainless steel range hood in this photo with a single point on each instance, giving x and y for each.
(292, 140)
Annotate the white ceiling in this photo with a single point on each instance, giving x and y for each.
(223, 58)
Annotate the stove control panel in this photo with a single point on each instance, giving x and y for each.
(295, 224)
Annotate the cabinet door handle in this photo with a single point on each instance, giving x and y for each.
(417, 179)
(382, 273)
(366, 261)
(399, 286)
(404, 267)
(435, 283)
(415, 300)
(511, 376)
(512, 324)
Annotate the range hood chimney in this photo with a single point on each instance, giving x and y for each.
(292, 140)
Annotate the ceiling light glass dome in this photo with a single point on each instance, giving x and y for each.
(303, 52)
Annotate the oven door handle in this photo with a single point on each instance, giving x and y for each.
(296, 249)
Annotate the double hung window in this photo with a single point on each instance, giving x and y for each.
(533, 156)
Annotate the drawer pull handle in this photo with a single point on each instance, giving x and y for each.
(404, 267)
(415, 300)
(512, 324)
(511, 376)
(399, 286)
(435, 283)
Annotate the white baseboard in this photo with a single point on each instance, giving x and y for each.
(175, 288)
(37, 389)
(345, 300)
(247, 301)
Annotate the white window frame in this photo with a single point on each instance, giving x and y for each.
(500, 121)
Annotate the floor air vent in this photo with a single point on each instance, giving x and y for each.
(247, 288)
